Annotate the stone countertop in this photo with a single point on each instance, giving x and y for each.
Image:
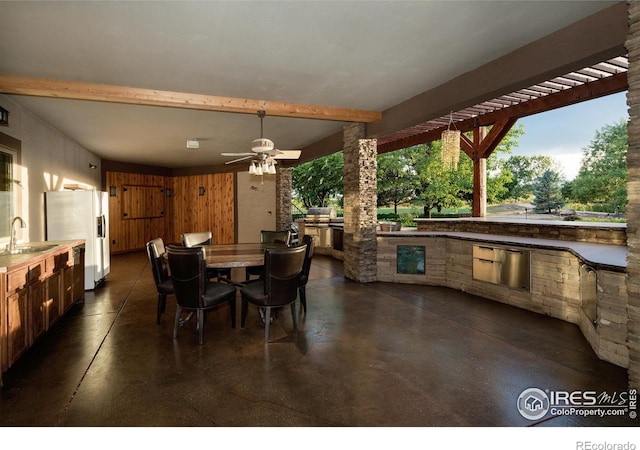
(10, 262)
(601, 256)
(522, 221)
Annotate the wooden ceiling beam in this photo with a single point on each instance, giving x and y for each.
(40, 87)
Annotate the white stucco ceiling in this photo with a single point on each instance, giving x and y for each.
(354, 54)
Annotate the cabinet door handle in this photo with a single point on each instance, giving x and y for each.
(486, 260)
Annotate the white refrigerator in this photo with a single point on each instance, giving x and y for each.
(82, 215)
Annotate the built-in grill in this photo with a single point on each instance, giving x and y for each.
(316, 224)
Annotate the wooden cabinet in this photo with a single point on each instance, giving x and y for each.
(17, 325)
(34, 295)
(77, 281)
(3, 327)
(53, 304)
(35, 300)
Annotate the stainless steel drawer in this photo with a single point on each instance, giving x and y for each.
(486, 270)
(488, 253)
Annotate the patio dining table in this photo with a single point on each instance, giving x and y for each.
(223, 256)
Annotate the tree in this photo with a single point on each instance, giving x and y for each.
(315, 182)
(603, 170)
(435, 186)
(442, 188)
(525, 170)
(547, 192)
(395, 178)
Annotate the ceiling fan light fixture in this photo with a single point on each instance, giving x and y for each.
(262, 145)
(252, 168)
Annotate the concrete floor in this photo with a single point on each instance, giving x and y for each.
(365, 355)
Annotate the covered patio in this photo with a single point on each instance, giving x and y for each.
(370, 352)
(365, 355)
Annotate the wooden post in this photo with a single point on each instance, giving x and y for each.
(479, 187)
(483, 144)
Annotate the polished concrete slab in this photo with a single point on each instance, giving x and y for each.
(365, 355)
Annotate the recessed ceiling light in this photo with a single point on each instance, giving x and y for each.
(193, 143)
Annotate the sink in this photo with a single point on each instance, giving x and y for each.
(26, 249)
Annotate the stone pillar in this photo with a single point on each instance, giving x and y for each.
(360, 205)
(633, 195)
(283, 199)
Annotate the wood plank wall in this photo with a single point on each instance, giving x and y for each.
(191, 212)
(185, 210)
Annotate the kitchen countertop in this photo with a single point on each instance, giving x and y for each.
(10, 262)
(601, 256)
(525, 221)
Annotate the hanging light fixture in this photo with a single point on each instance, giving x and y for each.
(450, 146)
(264, 165)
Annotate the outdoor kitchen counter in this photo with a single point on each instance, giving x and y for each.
(613, 233)
(600, 256)
(572, 280)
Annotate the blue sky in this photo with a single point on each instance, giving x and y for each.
(563, 133)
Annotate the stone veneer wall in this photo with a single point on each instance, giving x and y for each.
(633, 194)
(360, 209)
(283, 199)
(567, 231)
(555, 287)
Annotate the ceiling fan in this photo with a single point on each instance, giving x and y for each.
(263, 154)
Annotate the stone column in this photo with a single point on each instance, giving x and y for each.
(283, 199)
(360, 205)
(633, 195)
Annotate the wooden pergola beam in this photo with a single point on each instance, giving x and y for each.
(589, 91)
(40, 87)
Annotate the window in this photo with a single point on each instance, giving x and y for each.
(9, 174)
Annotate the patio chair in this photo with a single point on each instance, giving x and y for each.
(278, 288)
(192, 289)
(304, 277)
(204, 238)
(268, 237)
(164, 285)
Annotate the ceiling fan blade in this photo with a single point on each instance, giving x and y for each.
(287, 154)
(240, 159)
(237, 154)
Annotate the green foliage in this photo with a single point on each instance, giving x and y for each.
(524, 172)
(603, 172)
(317, 181)
(547, 192)
(438, 187)
(595, 207)
(405, 218)
(395, 179)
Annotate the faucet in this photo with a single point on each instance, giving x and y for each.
(12, 242)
